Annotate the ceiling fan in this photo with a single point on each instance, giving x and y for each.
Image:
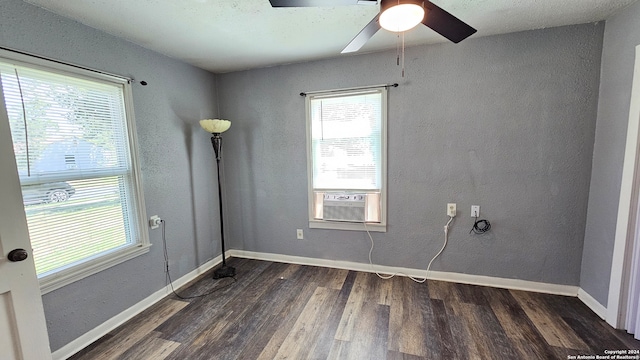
(396, 16)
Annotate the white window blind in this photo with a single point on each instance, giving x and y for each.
(72, 148)
(347, 143)
(347, 134)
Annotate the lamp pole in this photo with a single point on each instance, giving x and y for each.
(224, 270)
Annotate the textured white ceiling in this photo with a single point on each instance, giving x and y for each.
(229, 35)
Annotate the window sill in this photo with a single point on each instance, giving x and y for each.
(339, 225)
(67, 276)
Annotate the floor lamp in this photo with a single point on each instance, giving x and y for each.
(216, 127)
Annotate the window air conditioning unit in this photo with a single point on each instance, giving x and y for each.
(348, 207)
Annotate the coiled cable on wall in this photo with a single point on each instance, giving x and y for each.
(480, 226)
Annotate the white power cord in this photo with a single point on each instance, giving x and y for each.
(418, 280)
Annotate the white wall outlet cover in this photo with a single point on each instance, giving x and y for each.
(475, 210)
(451, 209)
(299, 234)
(154, 222)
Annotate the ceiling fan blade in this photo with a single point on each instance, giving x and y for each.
(446, 24)
(319, 3)
(363, 36)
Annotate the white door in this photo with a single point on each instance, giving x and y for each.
(627, 230)
(23, 330)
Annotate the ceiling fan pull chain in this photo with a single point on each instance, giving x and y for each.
(398, 49)
(403, 54)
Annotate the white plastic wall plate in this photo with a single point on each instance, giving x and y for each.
(451, 209)
(475, 210)
(154, 222)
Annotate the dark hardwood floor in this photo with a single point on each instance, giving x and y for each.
(284, 311)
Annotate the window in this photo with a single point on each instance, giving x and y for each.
(74, 144)
(346, 146)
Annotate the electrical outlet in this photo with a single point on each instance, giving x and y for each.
(451, 209)
(475, 210)
(154, 222)
(299, 234)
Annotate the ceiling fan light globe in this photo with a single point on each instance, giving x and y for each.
(401, 17)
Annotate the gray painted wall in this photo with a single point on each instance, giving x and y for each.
(505, 122)
(622, 34)
(176, 157)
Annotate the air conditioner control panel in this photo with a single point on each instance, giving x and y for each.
(343, 197)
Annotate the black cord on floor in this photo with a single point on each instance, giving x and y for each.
(168, 275)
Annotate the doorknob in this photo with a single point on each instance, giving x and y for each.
(18, 255)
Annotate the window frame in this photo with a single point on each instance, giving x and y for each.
(140, 243)
(343, 225)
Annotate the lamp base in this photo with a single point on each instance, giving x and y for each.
(224, 272)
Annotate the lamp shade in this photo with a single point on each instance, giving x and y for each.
(401, 15)
(215, 126)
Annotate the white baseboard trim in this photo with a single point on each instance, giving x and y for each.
(85, 340)
(593, 304)
(515, 284)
